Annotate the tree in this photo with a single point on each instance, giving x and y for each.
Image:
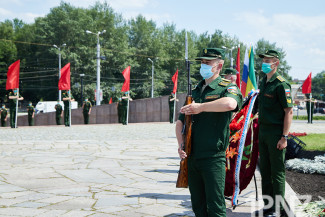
(318, 86)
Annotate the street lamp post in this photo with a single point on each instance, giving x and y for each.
(81, 81)
(59, 48)
(152, 73)
(98, 65)
(231, 59)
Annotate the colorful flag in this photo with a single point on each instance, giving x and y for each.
(245, 74)
(13, 76)
(64, 82)
(251, 81)
(126, 75)
(110, 101)
(238, 68)
(174, 79)
(306, 86)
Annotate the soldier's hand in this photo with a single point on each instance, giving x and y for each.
(191, 109)
(181, 152)
(89, 113)
(282, 144)
(61, 116)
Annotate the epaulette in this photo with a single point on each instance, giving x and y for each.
(280, 78)
(224, 82)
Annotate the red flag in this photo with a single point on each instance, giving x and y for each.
(64, 82)
(13, 76)
(174, 79)
(238, 68)
(126, 75)
(110, 101)
(306, 86)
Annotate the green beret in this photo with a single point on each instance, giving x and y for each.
(229, 71)
(270, 53)
(212, 53)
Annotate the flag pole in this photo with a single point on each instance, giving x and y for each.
(70, 108)
(309, 108)
(174, 108)
(16, 107)
(127, 112)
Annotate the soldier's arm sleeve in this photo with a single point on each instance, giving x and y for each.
(284, 94)
(233, 92)
(181, 117)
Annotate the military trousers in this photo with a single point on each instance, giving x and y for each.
(66, 116)
(12, 116)
(206, 179)
(310, 118)
(58, 119)
(171, 114)
(272, 164)
(86, 118)
(30, 121)
(3, 122)
(123, 115)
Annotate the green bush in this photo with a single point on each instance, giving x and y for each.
(305, 117)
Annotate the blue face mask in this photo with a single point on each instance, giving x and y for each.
(205, 71)
(266, 67)
(30, 104)
(86, 100)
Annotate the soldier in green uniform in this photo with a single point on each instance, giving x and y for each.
(86, 109)
(119, 110)
(214, 101)
(275, 116)
(124, 106)
(31, 113)
(4, 115)
(13, 96)
(66, 99)
(171, 101)
(58, 113)
(308, 106)
(230, 74)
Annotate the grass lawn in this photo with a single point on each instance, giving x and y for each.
(314, 142)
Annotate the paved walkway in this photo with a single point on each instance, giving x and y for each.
(97, 170)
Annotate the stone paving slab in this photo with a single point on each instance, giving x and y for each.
(97, 170)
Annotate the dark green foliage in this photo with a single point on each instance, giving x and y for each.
(125, 43)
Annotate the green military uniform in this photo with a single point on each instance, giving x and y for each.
(119, 110)
(12, 107)
(310, 115)
(4, 113)
(66, 108)
(86, 108)
(58, 112)
(171, 108)
(30, 111)
(274, 97)
(210, 138)
(124, 107)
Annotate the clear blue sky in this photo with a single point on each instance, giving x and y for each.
(296, 26)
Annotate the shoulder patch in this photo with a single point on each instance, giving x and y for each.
(224, 82)
(232, 90)
(280, 78)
